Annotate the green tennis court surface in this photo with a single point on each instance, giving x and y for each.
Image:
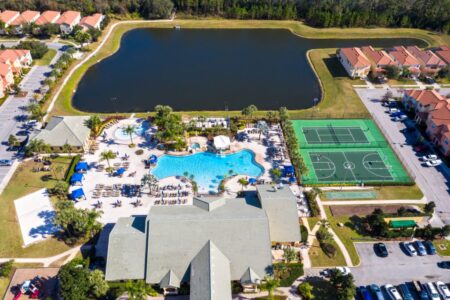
(347, 151)
(338, 195)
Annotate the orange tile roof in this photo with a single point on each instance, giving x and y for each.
(91, 21)
(355, 56)
(444, 47)
(378, 57)
(4, 69)
(27, 16)
(8, 16)
(13, 54)
(47, 16)
(427, 57)
(426, 97)
(441, 116)
(445, 55)
(68, 17)
(403, 57)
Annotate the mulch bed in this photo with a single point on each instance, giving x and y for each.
(361, 210)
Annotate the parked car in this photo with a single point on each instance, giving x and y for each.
(377, 292)
(344, 271)
(393, 292)
(420, 248)
(406, 293)
(432, 292)
(400, 118)
(409, 248)
(364, 293)
(430, 247)
(429, 157)
(443, 290)
(444, 264)
(420, 147)
(433, 163)
(5, 162)
(380, 249)
(393, 110)
(423, 295)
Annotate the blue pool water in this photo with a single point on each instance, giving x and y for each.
(138, 131)
(208, 168)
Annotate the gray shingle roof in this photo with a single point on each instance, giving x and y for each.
(250, 277)
(281, 208)
(61, 130)
(170, 280)
(126, 250)
(210, 274)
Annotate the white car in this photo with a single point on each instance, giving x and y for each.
(411, 250)
(393, 110)
(433, 163)
(432, 292)
(429, 157)
(400, 118)
(344, 270)
(393, 292)
(443, 290)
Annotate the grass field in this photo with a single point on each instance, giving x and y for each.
(23, 182)
(390, 193)
(320, 259)
(320, 59)
(46, 59)
(446, 243)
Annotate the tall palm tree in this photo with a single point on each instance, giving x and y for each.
(66, 148)
(93, 124)
(138, 290)
(107, 155)
(130, 130)
(151, 181)
(243, 182)
(37, 146)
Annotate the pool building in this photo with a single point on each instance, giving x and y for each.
(206, 245)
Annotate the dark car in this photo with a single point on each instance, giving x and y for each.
(421, 147)
(377, 292)
(364, 293)
(380, 249)
(430, 247)
(406, 293)
(444, 264)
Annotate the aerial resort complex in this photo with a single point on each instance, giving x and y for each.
(225, 150)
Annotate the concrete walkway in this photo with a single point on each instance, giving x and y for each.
(46, 261)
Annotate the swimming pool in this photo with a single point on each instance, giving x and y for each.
(138, 131)
(208, 168)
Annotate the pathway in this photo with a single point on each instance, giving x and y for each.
(92, 54)
(46, 261)
(370, 202)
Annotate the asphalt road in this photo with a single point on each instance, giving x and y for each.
(13, 113)
(435, 181)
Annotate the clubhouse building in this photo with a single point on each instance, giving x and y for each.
(205, 245)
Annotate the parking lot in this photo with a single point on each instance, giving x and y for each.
(397, 268)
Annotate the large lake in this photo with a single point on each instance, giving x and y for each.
(207, 69)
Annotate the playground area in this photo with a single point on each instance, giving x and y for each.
(347, 152)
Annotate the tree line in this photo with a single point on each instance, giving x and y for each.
(428, 14)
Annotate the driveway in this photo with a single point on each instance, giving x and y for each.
(434, 182)
(395, 269)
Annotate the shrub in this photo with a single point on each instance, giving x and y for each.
(304, 233)
(37, 49)
(329, 249)
(311, 197)
(139, 152)
(6, 268)
(71, 168)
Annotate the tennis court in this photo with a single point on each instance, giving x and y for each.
(347, 151)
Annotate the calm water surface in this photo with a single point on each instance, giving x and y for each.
(207, 69)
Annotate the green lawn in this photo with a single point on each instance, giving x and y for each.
(46, 59)
(445, 252)
(346, 234)
(312, 222)
(24, 182)
(401, 81)
(320, 259)
(335, 90)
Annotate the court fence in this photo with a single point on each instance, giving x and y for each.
(344, 115)
(396, 151)
(345, 145)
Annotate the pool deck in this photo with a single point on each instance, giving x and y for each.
(93, 177)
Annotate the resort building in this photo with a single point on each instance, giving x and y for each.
(68, 21)
(430, 62)
(16, 58)
(92, 22)
(379, 59)
(48, 17)
(444, 53)
(6, 75)
(71, 130)
(8, 16)
(438, 128)
(405, 59)
(422, 102)
(206, 245)
(354, 62)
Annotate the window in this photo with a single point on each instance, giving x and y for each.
(446, 142)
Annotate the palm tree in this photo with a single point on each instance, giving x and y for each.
(93, 124)
(243, 182)
(37, 146)
(138, 290)
(66, 148)
(151, 181)
(107, 155)
(130, 130)
(271, 284)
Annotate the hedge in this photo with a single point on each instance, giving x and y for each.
(71, 168)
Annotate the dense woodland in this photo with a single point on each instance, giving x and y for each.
(429, 14)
